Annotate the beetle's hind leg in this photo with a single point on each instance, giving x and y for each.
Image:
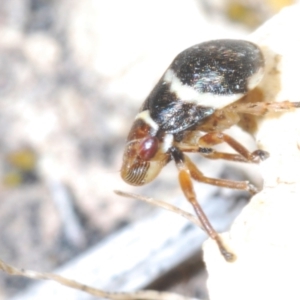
(187, 171)
(262, 108)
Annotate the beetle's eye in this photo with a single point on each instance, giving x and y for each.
(148, 148)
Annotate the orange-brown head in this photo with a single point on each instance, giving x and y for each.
(143, 156)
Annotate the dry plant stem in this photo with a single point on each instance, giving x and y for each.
(141, 295)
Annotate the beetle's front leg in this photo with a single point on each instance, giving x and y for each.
(214, 138)
(185, 180)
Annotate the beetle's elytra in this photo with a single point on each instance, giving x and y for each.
(195, 100)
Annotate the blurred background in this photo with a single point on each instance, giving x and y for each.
(72, 77)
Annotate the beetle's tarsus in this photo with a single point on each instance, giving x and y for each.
(259, 155)
(252, 189)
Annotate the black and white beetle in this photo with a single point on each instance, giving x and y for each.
(202, 93)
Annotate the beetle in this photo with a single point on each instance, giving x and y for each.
(202, 93)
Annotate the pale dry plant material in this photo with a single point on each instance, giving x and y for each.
(265, 236)
(141, 295)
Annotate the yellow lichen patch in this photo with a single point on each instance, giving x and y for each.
(20, 168)
(241, 13)
(277, 5)
(24, 159)
(12, 179)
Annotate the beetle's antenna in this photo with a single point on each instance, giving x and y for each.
(163, 205)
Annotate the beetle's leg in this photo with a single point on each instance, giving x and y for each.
(185, 180)
(237, 185)
(215, 138)
(212, 154)
(261, 108)
(256, 156)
